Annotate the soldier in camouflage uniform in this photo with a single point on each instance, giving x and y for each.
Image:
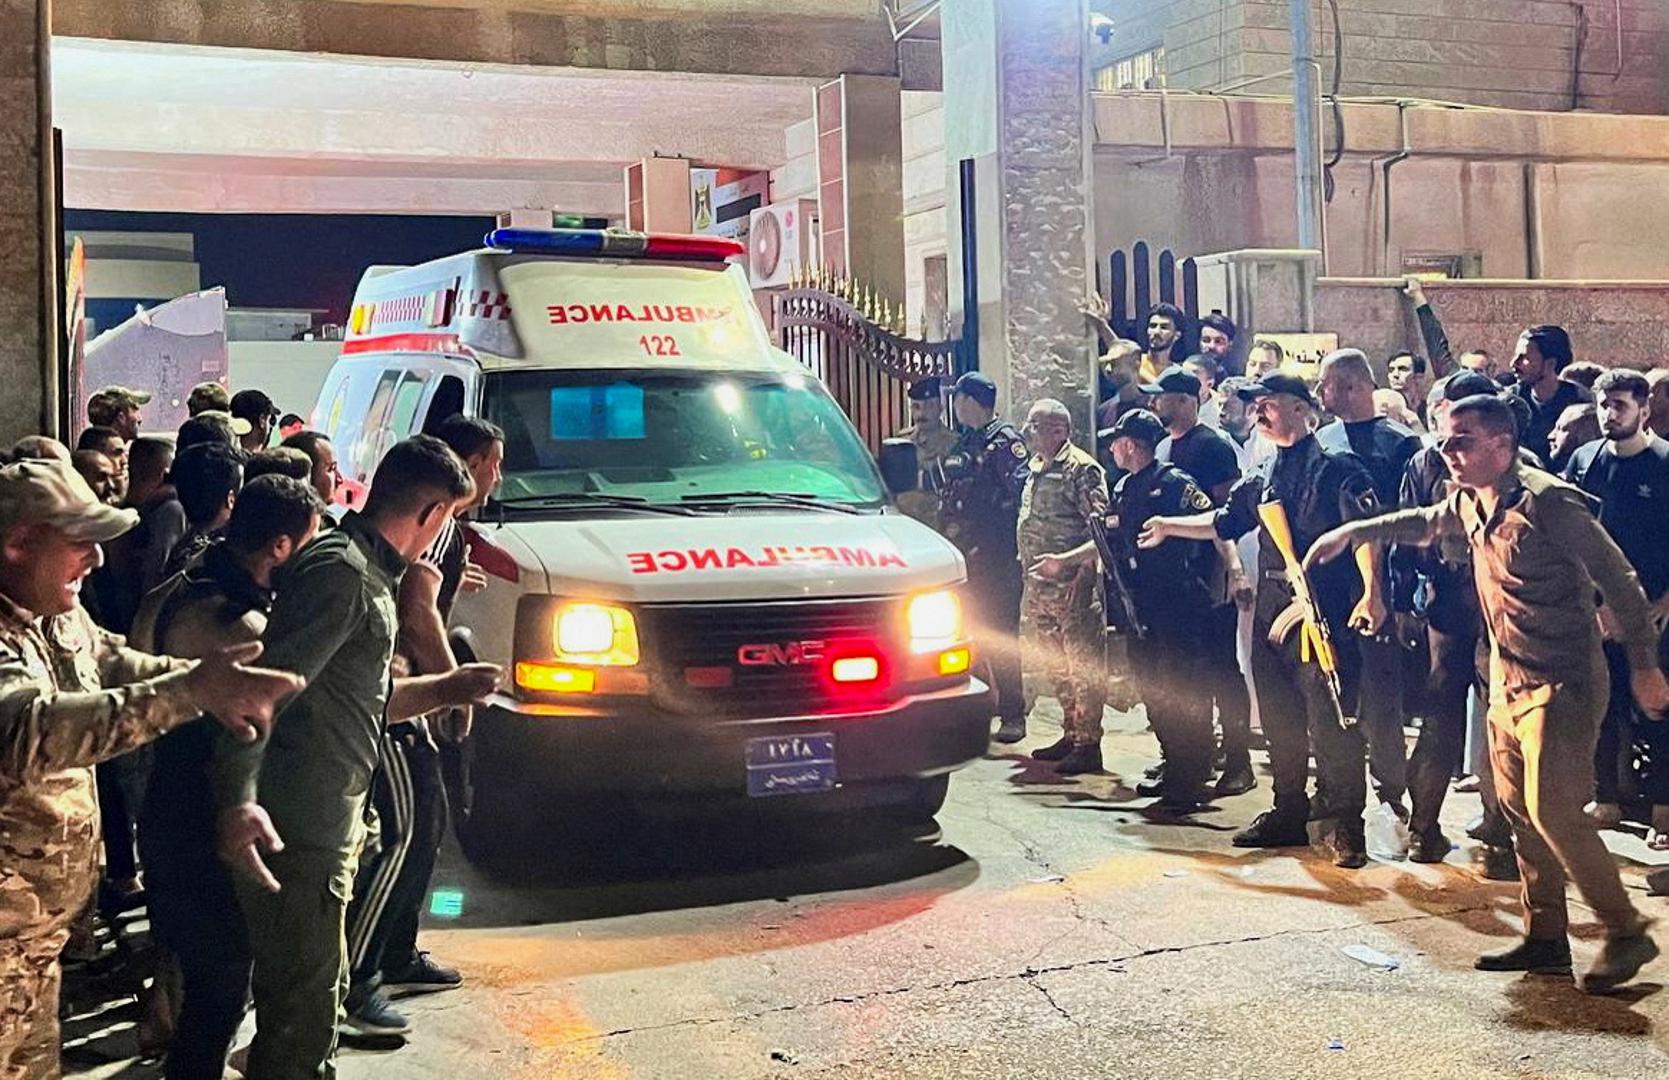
(73, 695)
(933, 440)
(1066, 489)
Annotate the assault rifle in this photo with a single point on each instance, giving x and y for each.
(1115, 558)
(1304, 613)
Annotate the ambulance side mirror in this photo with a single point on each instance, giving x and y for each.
(900, 468)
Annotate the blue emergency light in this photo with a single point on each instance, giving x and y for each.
(615, 243)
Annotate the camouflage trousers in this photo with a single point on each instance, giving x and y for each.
(29, 979)
(1068, 629)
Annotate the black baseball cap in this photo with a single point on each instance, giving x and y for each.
(1465, 384)
(1175, 379)
(1276, 382)
(926, 389)
(1138, 424)
(253, 405)
(979, 387)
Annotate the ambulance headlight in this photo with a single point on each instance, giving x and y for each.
(599, 634)
(935, 621)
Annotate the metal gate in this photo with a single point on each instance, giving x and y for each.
(848, 342)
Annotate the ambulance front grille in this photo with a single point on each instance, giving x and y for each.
(698, 648)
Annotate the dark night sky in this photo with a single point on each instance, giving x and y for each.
(297, 260)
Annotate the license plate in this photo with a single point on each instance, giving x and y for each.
(791, 764)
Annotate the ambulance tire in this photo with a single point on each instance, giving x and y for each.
(924, 800)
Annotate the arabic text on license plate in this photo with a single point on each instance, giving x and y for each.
(791, 764)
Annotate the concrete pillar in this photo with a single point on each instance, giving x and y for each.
(860, 180)
(1017, 103)
(658, 195)
(28, 227)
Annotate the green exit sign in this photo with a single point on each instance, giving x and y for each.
(446, 903)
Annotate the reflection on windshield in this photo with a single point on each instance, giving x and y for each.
(666, 437)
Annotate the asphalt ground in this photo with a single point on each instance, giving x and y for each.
(1047, 929)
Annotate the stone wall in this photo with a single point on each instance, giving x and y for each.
(1522, 54)
(27, 277)
(1610, 323)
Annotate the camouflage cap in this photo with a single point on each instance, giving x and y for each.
(240, 427)
(104, 406)
(208, 395)
(52, 493)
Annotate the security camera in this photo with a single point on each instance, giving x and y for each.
(1101, 27)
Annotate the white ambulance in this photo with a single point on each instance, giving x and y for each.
(694, 575)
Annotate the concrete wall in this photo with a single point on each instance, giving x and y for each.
(1523, 54)
(926, 223)
(28, 279)
(291, 372)
(1611, 323)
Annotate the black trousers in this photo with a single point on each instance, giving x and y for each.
(194, 912)
(121, 790)
(1442, 744)
(410, 799)
(1169, 667)
(1631, 762)
(994, 591)
(1380, 713)
(1224, 683)
(1297, 714)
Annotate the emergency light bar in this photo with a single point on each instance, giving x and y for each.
(616, 243)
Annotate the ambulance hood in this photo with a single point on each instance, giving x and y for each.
(746, 555)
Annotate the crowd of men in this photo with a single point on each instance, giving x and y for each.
(243, 701)
(1507, 592)
(246, 702)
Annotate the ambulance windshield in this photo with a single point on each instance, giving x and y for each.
(670, 437)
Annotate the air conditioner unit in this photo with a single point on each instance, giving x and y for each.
(782, 238)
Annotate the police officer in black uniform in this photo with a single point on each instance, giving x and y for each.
(979, 511)
(1319, 489)
(1169, 585)
(1385, 447)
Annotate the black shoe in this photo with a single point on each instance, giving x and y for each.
(1619, 960)
(1274, 829)
(1055, 751)
(1498, 863)
(1150, 789)
(1184, 800)
(1082, 759)
(1350, 847)
(1495, 833)
(375, 1016)
(422, 976)
(1432, 847)
(1237, 779)
(1156, 771)
(1011, 730)
(1533, 955)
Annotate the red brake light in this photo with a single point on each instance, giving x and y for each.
(672, 246)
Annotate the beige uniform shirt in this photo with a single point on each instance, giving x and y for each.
(71, 695)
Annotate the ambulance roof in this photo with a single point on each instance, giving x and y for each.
(556, 298)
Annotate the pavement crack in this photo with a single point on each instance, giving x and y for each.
(1030, 975)
(1031, 981)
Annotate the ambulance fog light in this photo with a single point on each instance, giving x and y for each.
(555, 678)
(935, 621)
(955, 661)
(855, 669)
(596, 634)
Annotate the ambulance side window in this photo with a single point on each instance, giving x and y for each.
(406, 400)
(371, 433)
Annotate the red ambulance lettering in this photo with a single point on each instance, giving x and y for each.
(675, 561)
(704, 560)
(641, 562)
(857, 556)
(737, 557)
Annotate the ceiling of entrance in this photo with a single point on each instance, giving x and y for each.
(161, 127)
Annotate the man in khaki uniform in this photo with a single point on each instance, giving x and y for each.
(73, 695)
(1538, 554)
(1065, 490)
(934, 439)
